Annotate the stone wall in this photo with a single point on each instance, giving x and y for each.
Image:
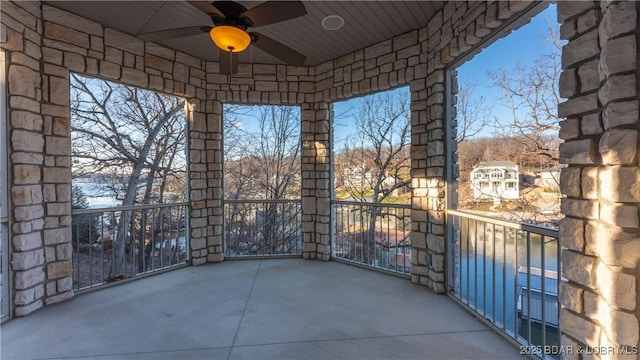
(600, 235)
(420, 59)
(28, 106)
(42, 49)
(452, 34)
(399, 61)
(258, 84)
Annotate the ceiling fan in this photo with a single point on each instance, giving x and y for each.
(229, 31)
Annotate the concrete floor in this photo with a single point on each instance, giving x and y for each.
(260, 309)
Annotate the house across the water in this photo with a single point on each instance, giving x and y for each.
(495, 180)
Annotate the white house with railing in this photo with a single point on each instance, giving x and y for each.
(495, 180)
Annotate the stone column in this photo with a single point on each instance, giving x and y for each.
(215, 175)
(316, 181)
(428, 181)
(600, 235)
(198, 192)
(38, 114)
(205, 181)
(26, 162)
(57, 159)
(450, 35)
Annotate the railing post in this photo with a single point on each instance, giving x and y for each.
(141, 240)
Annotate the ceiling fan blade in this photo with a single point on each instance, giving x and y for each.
(278, 50)
(228, 62)
(174, 33)
(274, 11)
(207, 8)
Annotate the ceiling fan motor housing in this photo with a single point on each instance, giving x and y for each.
(232, 11)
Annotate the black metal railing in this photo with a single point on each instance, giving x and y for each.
(257, 228)
(509, 274)
(117, 243)
(375, 235)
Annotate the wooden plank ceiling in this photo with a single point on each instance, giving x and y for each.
(366, 23)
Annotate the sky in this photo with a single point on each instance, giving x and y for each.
(520, 46)
(344, 111)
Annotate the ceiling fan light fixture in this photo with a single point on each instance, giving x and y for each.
(230, 38)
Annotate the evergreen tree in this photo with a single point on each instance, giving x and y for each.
(78, 198)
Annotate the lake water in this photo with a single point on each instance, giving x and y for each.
(97, 196)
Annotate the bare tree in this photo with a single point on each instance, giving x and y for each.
(239, 168)
(262, 162)
(278, 153)
(472, 113)
(526, 135)
(472, 118)
(375, 162)
(137, 134)
(530, 93)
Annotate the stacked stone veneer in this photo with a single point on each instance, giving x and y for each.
(253, 84)
(41, 254)
(600, 235)
(420, 60)
(44, 44)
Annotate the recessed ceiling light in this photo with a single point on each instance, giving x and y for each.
(332, 22)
